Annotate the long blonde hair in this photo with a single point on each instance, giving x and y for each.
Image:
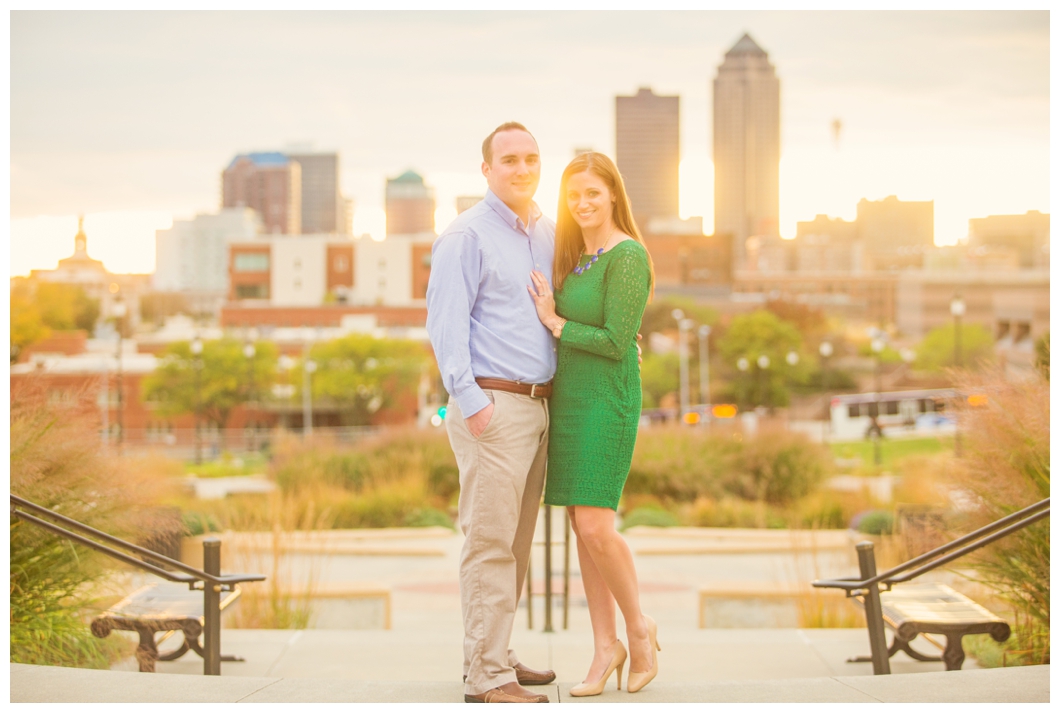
(570, 244)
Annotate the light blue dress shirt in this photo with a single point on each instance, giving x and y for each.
(480, 318)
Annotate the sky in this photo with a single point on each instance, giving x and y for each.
(129, 118)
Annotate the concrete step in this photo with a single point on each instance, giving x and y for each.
(47, 684)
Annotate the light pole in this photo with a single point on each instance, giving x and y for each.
(119, 310)
(683, 326)
(957, 308)
(196, 352)
(763, 364)
(877, 430)
(704, 372)
(826, 352)
(307, 396)
(743, 364)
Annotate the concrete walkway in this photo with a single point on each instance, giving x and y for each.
(44, 684)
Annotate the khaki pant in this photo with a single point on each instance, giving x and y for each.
(502, 473)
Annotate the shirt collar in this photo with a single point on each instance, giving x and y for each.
(508, 215)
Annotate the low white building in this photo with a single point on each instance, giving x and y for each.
(192, 256)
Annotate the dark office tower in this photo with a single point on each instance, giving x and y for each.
(409, 205)
(271, 184)
(323, 208)
(648, 153)
(746, 147)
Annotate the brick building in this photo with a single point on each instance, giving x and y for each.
(271, 184)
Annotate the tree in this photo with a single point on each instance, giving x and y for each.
(659, 376)
(226, 380)
(156, 306)
(658, 317)
(27, 326)
(757, 334)
(37, 308)
(811, 323)
(936, 351)
(360, 374)
(66, 306)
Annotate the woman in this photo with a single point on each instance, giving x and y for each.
(604, 279)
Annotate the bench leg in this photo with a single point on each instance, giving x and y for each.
(903, 645)
(147, 651)
(953, 655)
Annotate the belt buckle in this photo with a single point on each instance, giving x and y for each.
(533, 395)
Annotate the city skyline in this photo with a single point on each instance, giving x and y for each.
(944, 106)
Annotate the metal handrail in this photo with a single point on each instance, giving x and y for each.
(1032, 514)
(868, 586)
(191, 576)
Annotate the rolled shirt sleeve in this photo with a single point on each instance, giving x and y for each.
(456, 272)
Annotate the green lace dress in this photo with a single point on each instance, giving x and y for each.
(595, 405)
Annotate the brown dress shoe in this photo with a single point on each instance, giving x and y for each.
(496, 695)
(530, 677)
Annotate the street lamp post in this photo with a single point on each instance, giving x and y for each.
(877, 430)
(704, 371)
(683, 326)
(763, 364)
(826, 352)
(119, 310)
(307, 396)
(196, 351)
(957, 308)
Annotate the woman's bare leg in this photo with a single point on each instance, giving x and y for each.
(601, 608)
(614, 564)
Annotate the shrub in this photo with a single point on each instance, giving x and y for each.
(1006, 468)
(429, 517)
(681, 464)
(732, 512)
(874, 522)
(57, 462)
(778, 467)
(650, 517)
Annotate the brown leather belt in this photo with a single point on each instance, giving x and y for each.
(536, 391)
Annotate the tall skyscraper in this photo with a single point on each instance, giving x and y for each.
(270, 183)
(409, 205)
(323, 208)
(746, 146)
(648, 152)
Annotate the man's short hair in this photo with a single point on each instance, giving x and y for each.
(487, 145)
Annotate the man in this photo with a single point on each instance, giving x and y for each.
(496, 360)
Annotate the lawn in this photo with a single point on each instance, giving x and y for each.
(891, 450)
(251, 464)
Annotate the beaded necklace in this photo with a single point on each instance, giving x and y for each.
(594, 258)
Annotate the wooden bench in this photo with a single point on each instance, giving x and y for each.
(161, 607)
(910, 610)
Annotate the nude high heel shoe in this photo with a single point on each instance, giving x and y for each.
(618, 661)
(639, 679)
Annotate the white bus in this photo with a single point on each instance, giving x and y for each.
(907, 412)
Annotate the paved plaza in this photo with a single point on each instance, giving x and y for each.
(419, 657)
